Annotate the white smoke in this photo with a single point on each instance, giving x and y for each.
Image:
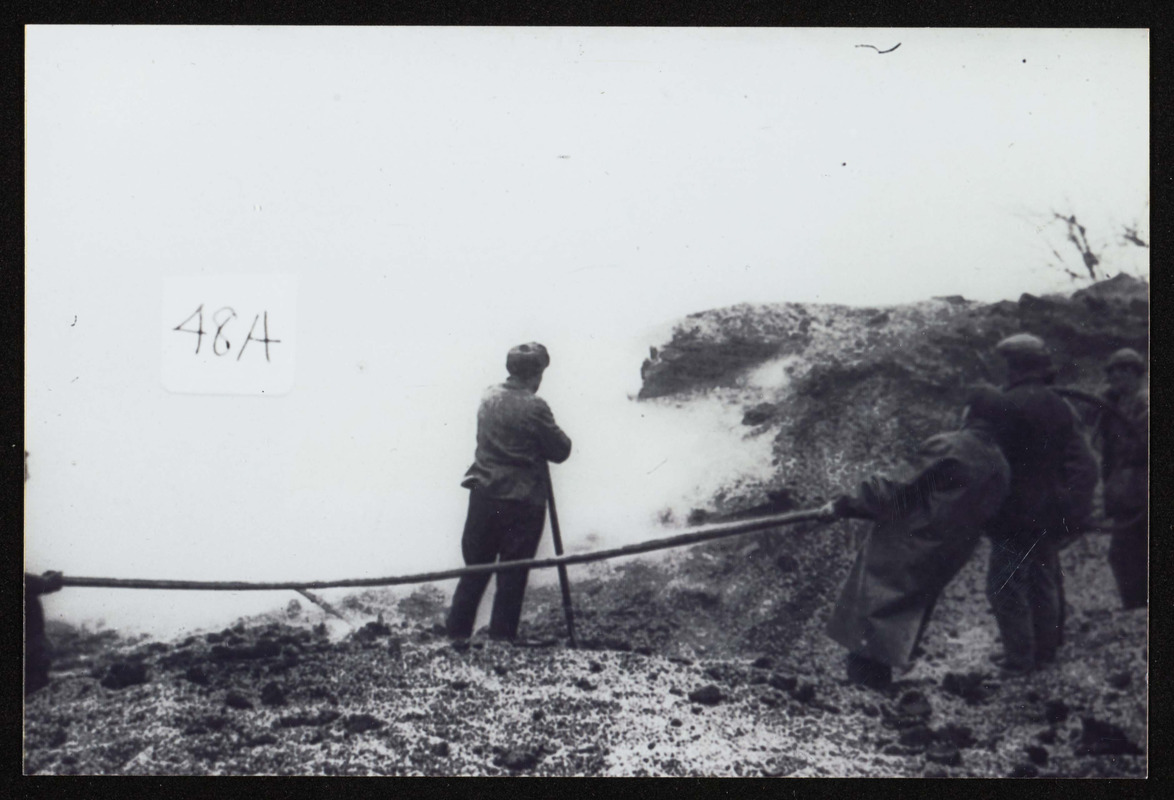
(376, 492)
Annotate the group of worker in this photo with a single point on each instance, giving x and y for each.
(1018, 470)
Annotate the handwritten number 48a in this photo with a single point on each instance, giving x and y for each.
(220, 320)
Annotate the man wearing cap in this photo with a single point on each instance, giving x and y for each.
(927, 524)
(1052, 474)
(516, 437)
(1124, 466)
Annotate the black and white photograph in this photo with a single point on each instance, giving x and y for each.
(586, 401)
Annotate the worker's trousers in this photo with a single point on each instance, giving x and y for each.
(1129, 560)
(506, 530)
(36, 651)
(1025, 590)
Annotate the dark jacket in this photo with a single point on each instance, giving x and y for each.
(1125, 454)
(516, 436)
(34, 587)
(1053, 472)
(928, 523)
(36, 650)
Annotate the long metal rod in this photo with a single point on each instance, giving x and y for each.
(563, 582)
(703, 533)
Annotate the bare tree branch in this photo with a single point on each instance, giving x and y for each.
(1078, 236)
(1131, 236)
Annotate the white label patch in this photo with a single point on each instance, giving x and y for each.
(229, 334)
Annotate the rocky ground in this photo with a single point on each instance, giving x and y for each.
(706, 661)
(291, 696)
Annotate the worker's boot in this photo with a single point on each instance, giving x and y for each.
(869, 672)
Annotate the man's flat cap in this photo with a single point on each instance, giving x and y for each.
(1023, 347)
(527, 360)
(986, 402)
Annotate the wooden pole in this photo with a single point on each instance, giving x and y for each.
(563, 582)
(318, 601)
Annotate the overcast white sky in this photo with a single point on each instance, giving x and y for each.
(442, 194)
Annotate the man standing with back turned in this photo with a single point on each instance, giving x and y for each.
(1052, 475)
(516, 436)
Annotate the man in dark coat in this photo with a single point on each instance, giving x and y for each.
(1124, 467)
(36, 648)
(516, 437)
(927, 524)
(1052, 475)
